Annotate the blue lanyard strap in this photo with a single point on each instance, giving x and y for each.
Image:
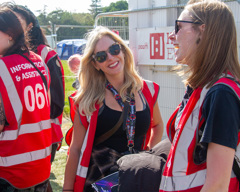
(131, 114)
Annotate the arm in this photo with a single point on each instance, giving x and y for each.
(79, 132)
(2, 115)
(222, 113)
(56, 87)
(157, 127)
(219, 167)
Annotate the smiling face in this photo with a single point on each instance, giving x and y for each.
(185, 41)
(113, 67)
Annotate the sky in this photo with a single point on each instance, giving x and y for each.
(78, 6)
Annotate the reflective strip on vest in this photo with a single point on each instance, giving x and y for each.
(56, 121)
(150, 87)
(181, 157)
(182, 182)
(25, 157)
(178, 180)
(24, 129)
(82, 170)
(44, 53)
(8, 82)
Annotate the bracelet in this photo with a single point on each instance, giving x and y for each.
(67, 189)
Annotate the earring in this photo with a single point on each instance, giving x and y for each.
(198, 41)
(8, 42)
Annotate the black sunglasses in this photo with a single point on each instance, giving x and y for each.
(177, 26)
(101, 56)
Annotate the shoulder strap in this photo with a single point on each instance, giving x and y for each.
(42, 76)
(122, 119)
(109, 133)
(236, 169)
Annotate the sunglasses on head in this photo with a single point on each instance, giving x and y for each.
(177, 26)
(101, 56)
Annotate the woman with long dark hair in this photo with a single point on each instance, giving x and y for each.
(25, 126)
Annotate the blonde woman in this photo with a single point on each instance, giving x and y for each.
(204, 128)
(108, 79)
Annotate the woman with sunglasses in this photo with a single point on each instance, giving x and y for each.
(108, 80)
(204, 128)
(25, 126)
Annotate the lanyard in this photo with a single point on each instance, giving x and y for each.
(131, 115)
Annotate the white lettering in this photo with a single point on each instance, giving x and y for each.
(39, 64)
(39, 96)
(20, 67)
(30, 74)
(31, 98)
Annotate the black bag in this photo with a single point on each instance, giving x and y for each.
(143, 171)
(103, 169)
(236, 167)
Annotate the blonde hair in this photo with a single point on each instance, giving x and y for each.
(217, 51)
(92, 81)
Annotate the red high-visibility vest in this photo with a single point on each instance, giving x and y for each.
(150, 91)
(25, 142)
(181, 173)
(47, 54)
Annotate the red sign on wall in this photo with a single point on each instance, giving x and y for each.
(157, 46)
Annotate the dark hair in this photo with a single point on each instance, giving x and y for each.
(36, 38)
(9, 24)
(35, 35)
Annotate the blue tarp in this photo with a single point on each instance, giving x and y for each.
(68, 47)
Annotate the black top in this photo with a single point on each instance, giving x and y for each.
(56, 87)
(221, 110)
(118, 141)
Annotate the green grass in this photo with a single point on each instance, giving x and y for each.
(59, 163)
(69, 79)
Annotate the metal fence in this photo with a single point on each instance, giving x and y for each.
(119, 23)
(172, 88)
(119, 20)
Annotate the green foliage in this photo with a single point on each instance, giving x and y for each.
(118, 6)
(60, 17)
(96, 7)
(58, 170)
(59, 163)
(83, 18)
(69, 79)
(116, 22)
(71, 33)
(42, 18)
